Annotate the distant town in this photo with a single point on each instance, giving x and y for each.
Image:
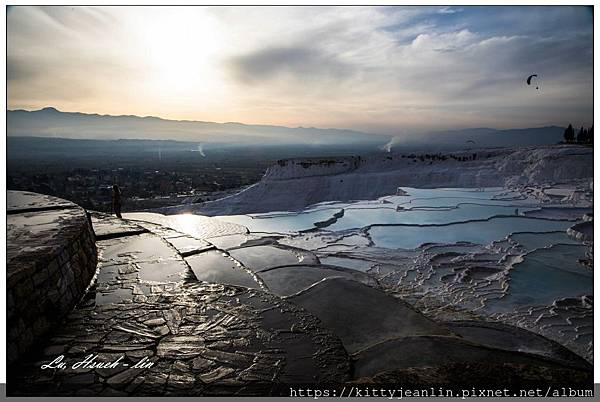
(85, 171)
(154, 174)
(142, 188)
(151, 174)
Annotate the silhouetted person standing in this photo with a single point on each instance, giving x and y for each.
(116, 200)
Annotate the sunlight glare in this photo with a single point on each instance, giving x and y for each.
(179, 45)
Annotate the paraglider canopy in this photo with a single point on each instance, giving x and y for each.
(529, 80)
(530, 77)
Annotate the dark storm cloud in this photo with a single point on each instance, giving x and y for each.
(300, 63)
(557, 54)
(20, 70)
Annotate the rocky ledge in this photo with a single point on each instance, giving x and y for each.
(219, 311)
(51, 259)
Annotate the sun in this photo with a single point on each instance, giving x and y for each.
(179, 50)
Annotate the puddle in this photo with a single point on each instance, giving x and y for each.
(193, 225)
(351, 263)
(446, 202)
(416, 193)
(188, 244)
(161, 271)
(259, 258)
(546, 275)
(358, 218)
(280, 223)
(108, 274)
(559, 213)
(242, 240)
(531, 241)
(466, 204)
(482, 232)
(144, 247)
(454, 248)
(117, 295)
(317, 240)
(215, 267)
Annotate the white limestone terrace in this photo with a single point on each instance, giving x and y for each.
(223, 310)
(292, 185)
(483, 253)
(491, 214)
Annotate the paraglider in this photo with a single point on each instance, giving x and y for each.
(529, 80)
(471, 141)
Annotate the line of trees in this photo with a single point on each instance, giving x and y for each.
(584, 135)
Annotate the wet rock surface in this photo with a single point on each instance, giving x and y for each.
(518, 269)
(107, 226)
(290, 280)
(507, 337)
(583, 231)
(155, 301)
(218, 267)
(261, 258)
(193, 225)
(220, 310)
(346, 306)
(436, 351)
(202, 340)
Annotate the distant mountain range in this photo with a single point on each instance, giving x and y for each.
(50, 122)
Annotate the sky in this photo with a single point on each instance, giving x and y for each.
(389, 70)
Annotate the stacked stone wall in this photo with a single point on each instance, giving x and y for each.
(49, 268)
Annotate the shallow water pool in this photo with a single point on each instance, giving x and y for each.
(546, 275)
(480, 232)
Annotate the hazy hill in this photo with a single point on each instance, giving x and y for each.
(49, 122)
(27, 152)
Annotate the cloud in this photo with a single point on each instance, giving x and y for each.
(296, 63)
(449, 10)
(19, 70)
(368, 68)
